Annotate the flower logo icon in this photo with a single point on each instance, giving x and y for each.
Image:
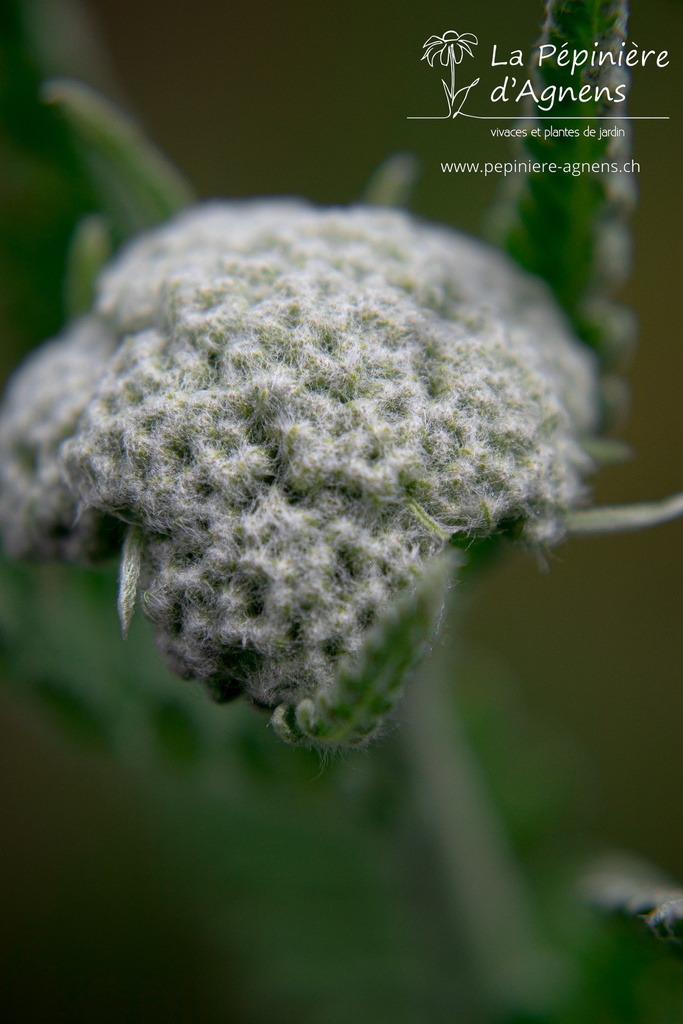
(450, 48)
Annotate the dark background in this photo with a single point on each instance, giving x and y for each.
(308, 98)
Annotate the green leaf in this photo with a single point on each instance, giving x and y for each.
(43, 190)
(72, 712)
(129, 574)
(638, 891)
(89, 250)
(177, 734)
(283, 863)
(607, 452)
(566, 227)
(367, 689)
(623, 518)
(393, 182)
(138, 186)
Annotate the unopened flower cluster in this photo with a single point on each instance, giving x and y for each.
(296, 408)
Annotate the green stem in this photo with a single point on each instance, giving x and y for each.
(513, 969)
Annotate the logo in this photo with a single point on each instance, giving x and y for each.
(557, 78)
(450, 48)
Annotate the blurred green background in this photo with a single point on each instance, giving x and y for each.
(308, 98)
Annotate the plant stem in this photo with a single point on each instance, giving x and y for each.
(513, 970)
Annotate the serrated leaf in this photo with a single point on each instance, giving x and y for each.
(562, 226)
(637, 890)
(367, 688)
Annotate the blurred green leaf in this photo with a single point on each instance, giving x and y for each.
(616, 518)
(89, 250)
(177, 734)
(71, 712)
(640, 892)
(297, 869)
(393, 183)
(138, 187)
(43, 191)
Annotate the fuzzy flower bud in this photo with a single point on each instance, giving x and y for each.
(296, 409)
(38, 511)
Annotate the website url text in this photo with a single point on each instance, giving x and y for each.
(542, 167)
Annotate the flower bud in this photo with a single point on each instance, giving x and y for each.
(296, 409)
(42, 406)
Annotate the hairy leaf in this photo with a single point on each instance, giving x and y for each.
(137, 185)
(639, 891)
(367, 689)
(568, 227)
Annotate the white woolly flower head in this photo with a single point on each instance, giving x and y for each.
(296, 409)
(42, 406)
